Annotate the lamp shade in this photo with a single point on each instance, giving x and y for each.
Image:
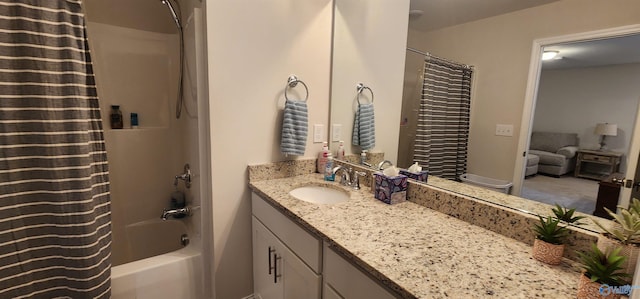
(606, 129)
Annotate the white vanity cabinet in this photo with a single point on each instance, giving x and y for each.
(291, 263)
(286, 258)
(342, 280)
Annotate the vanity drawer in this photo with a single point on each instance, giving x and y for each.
(596, 158)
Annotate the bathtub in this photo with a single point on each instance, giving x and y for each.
(170, 275)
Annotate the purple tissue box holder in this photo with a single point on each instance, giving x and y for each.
(420, 176)
(390, 190)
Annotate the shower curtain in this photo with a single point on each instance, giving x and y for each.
(442, 132)
(55, 223)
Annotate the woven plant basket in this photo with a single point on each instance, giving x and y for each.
(547, 253)
(588, 289)
(606, 244)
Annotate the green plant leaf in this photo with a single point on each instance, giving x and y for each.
(549, 230)
(604, 267)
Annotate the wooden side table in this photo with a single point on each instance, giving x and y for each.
(596, 165)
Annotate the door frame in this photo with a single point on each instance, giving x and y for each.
(532, 94)
(632, 161)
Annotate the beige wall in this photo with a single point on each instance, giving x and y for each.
(500, 50)
(147, 15)
(369, 49)
(575, 100)
(253, 47)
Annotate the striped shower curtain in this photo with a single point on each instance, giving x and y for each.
(442, 132)
(55, 233)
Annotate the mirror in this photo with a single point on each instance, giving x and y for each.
(498, 45)
(363, 34)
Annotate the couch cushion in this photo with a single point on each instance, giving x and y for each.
(532, 159)
(548, 158)
(552, 142)
(568, 151)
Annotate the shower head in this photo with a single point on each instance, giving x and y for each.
(174, 14)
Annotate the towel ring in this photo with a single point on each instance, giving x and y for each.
(361, 87)
(293, 82)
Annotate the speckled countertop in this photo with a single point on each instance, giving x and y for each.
(511, 201)
(421, 253)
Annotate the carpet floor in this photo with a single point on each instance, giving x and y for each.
(567, 191)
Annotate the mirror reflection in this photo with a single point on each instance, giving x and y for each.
(577, 94)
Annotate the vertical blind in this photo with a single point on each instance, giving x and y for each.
(55, 220)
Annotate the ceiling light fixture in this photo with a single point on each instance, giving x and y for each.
(548, 55)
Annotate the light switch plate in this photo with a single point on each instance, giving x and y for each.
(318, 133)
(504, 130)
(336, 132)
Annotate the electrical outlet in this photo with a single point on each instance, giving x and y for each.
(318, 133)
(336, 132)
(504, 130)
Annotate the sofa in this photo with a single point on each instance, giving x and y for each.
(557, 152)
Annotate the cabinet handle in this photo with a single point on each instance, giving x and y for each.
(275, 268)
(271, 250)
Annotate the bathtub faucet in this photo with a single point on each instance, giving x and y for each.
(175, 212)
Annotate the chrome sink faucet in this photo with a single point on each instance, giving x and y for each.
(383, 163)
(349, 176)
(345, 177)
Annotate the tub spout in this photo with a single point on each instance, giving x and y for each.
(175, 212)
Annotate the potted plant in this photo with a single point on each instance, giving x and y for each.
(625, 233)
(548, 247)
(602, 272)
(566, 215)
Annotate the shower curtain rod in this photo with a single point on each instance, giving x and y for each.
(434, 56)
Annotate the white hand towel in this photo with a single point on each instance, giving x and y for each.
(294, 128)
(364, 129)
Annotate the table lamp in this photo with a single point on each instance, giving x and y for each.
(604, 130)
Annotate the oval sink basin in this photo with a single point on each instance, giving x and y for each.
(319, 194)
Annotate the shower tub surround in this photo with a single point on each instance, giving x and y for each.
(419, 252)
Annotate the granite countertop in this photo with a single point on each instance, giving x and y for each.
(511, 201)
(419, 252)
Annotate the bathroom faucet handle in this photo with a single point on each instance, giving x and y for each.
(356, 179)
(344, 175)
(185, 176)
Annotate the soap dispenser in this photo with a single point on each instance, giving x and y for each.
(363, 157)
(340, 153)
(328, 169)
(322, 158)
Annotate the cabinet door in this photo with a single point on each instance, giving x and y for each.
(263, 277)
(278, 272)
(329, 293)
(347, 281)
(298, 279)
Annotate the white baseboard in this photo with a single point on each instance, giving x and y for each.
(251, 297)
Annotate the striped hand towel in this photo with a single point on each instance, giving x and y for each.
(294, 128)
(364, 129)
